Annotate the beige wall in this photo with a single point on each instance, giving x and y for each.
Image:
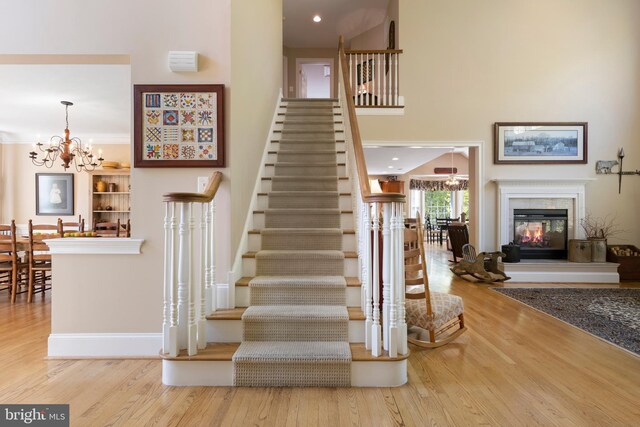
(142, 30)
(18, 189)
(256, 69)
(459, 161)
(300, 53)
(372, 39)
(469, 64)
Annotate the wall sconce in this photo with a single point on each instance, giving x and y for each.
(183, 61)
(603, 167)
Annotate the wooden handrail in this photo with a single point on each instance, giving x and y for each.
(205, 197)
(348, 52)
(361, 164)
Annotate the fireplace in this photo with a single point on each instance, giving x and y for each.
(541, 233)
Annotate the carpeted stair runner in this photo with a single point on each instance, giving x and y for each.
(295, 331)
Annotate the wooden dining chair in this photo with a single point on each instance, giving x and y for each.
(71, 226)
(39, 258)
(12, 267)
(107, 229)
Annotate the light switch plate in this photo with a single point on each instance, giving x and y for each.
(202, 183)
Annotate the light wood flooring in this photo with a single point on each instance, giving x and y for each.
(514, 367)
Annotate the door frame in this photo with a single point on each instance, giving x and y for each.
(323, 61)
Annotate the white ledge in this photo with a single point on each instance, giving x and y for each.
(380, 111)
(547, 181)
(95, 246)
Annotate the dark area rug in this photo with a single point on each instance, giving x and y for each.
(611, 314)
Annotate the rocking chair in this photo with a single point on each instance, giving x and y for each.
(483, 266)
(431, 316)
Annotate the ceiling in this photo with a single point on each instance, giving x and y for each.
(30, 104)
(380, 158)
(339, 17)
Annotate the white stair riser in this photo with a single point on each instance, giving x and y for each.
(345, 203)
(220, 373)
(269, 171)
(343, 186)
(339, 146)
(348, 242)
(273, 158)
(346, 221)
(231, 331)
(249, 267)
(243, 297)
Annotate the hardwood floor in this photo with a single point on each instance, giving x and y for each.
(515, 366)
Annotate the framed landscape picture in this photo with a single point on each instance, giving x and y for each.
(54, 194)
(178, 126)
(540, 143)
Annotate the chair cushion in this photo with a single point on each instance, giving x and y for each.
(446, 307)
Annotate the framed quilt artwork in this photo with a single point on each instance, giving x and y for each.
(178, 126)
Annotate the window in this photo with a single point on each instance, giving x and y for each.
(437, 204)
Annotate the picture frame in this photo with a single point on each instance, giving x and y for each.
(178, 126)
(54, 194)
(540, 143)
(364, 72)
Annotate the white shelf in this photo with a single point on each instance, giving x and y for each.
(111, 192)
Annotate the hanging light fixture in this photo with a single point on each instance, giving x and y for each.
(452, 181)
(70, 150)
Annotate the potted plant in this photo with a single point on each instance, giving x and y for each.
(597, 230)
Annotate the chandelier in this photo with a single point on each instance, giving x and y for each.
(70, 150)
(452, 181)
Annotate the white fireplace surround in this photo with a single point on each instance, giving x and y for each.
(558, 188)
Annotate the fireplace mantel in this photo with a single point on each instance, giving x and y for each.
(557, 188)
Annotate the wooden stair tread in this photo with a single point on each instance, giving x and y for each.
(336, 140)
(256, 231)
(352, 282)
(307, 164)
(355, 313)
(268, 178)
(341, 211)
(347, 254)
(308, 152)
(224, 352)
(300, 191)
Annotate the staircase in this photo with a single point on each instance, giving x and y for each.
(298, 320)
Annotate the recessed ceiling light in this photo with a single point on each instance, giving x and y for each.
(317, 18)
(390, 167)
(415, 147)
(395, 158)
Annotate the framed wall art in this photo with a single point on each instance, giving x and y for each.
(54, 194)
(178, 126)
(540, 143)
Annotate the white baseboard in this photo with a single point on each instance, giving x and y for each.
(105, 345)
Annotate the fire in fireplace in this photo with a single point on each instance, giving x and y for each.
(541, 233)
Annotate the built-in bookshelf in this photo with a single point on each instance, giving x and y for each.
(110, 196)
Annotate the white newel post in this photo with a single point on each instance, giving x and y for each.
(169, 324)
(365, 252)
(193, 288)
(392, 335)
(183, 276)
(374, 279)
(403, 347)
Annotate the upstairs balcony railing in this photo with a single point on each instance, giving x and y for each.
(380, 231)
(374, 77)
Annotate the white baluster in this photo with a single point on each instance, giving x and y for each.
(386, 272)
(213, 285)
(204, 276)
(395, 75)
(398, 78)
(351, 75)
(183, 275)
(403, 347)
(169, 328)
(175, 259)
(393, 281)
(193, 288)
(376, 332)
(365, 72)
(385, 81)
